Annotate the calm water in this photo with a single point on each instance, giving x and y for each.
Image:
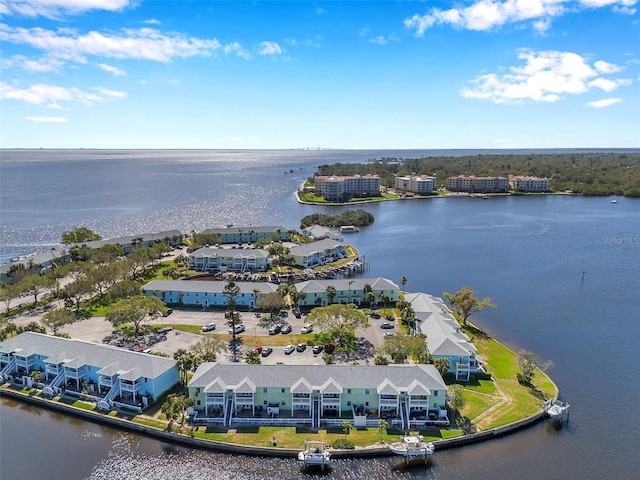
(528, 254)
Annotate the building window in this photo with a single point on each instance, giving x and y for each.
(198, 403)
(264, 403)
(366, 404)
(367, 392)
(265, 390)
(282, 390)
(283, 403)
(348, 403)
(348, 391)
(435, 393)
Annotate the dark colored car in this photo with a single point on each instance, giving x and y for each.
(386, 325)
(266, 351)
(275, 329)
(317, 349)
(297, 314)
(301, 347)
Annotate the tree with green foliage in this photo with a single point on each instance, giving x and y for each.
(231, 291)
(339, 322)
(207, 349)
(403, 281)
(56, 319)
(529, 362)
(252, 358)
(272, 302)
(456, 397)
(185, 361)
(35, 285)
(135, 311)
(346, 427)
(401, 346)
(176, 407)
(442, 365)
(382, 428)
(331, 293)
(79, 235)
(464, 303)
(8, 292)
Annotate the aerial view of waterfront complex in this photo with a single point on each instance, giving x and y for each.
(366, 239)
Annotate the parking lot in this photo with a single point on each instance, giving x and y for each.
(96, 328)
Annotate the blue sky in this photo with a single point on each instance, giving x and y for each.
(354, 75)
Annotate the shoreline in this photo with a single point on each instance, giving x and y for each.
(369, 451)
(237, 449)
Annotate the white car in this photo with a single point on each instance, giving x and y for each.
(208, 327)
(307, 328)
(239, 329)
(289, 349)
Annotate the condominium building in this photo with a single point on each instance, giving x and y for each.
(250, 234)
(341, 188)
(473, 184)
(529, 184)
(422, 184)
(229, 259)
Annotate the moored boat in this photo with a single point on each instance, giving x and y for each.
(314, 454)
(413, 447)
(349, 229)
(556, 410)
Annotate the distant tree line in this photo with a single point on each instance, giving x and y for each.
(583, 173)
(358, 218)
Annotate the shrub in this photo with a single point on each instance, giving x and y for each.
(343, 444)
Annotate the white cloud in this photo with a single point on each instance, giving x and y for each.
(485, 15)
(545, 77)
(606, 102)
(56, 8)
(143, 43)
(118, 72)
(270, 48)
(44, 64)
(153, 21)
(52, 95)
(47, 119)
(380, 40)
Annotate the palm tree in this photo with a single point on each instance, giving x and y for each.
(384, 298)
(382, 427)
(403, 281)
(255, 291)
(346, 428)
(442, 365)
(331, 293)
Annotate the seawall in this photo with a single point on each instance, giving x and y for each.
(224, 447)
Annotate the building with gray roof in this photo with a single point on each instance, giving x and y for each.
(309, 255)
(77, 365)
(445, 339)
(206, 293)
(318, 395)
(250, 234)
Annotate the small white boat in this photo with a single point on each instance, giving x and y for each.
(314, 454)
(556, 410)
(349, 229)
(413, 447)
(614, 201)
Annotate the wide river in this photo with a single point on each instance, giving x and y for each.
(563, 271)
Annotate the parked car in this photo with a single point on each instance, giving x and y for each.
(147, 350)
(317, 349)
(329, 347)
(289, 349)
(301, 347)
(286, 328)
(238, 329)
(138, 349)
(297, 314)
(275, 329)
(307, 328)
(169, 312)
(386, 325)
(266, 351)
(208, 327)
(257, 348)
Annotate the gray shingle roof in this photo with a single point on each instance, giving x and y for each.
(320, 246)
(79, 352)
(206, 286)
(318, 376)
